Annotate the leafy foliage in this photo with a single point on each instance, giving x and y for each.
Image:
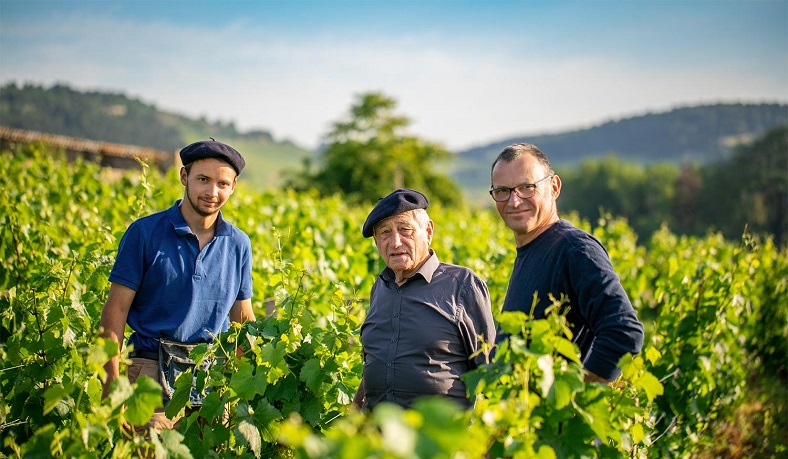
(282, 386)
(751, 189)
(748, 191)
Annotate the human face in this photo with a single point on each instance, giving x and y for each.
(209, 183)
(528, 217)
(403, 243)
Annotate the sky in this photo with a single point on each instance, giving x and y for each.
(466, 73)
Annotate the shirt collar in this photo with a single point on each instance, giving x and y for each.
(182, 228)
(427, 270)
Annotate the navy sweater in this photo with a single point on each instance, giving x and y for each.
(568, 260)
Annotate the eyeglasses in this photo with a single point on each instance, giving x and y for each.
(524, 191)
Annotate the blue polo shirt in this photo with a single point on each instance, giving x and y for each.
(183, 294)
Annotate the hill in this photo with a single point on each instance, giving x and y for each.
(114, 117)
(699, 134)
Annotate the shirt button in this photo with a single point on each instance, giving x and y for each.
(389, 390)
(393, 340)
(389, 364)
(396, 314)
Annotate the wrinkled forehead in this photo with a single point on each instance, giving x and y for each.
(402, 219)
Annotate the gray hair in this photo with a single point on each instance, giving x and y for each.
(421, 217)
(514, 150)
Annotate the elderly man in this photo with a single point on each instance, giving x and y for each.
(554, 257)
(181, 274)
(421, 333)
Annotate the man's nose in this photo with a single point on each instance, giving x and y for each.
(514, 199)
(396, 239)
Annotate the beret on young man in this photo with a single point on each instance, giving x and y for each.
(213, 149)
(395, 203)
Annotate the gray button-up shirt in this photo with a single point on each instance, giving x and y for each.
(418, 338)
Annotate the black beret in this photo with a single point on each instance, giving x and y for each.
(213, 149)
(395, 203)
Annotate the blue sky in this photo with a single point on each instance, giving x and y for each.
(465, 72)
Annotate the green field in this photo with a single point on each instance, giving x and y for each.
(706, 385)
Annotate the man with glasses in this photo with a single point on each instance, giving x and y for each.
(425, 316)
(555, 258)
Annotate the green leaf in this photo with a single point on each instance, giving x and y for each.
(312, 375)
(247, 385)
(273, 354)
(637, 432)
(53, 396)
(180, 397)
(144, 401)
(651, 386)
(561, 392)
(597, 415)
(568, 349)
(265, 412)
(652, 354)
(213, 405)
(512, 322)
(120, 391)
(311, 410)
(169, 444)
(268, 417)
(546, 452)
(276, 373)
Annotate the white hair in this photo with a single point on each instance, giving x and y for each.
(421, 216)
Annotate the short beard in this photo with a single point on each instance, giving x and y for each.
(196, 207)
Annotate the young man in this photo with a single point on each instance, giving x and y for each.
(554, 257)
(183, 273)
(424, 316)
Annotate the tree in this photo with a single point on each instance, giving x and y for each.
(686, 205)
(641, 194)
(748, 192)
(368, 157)
(757, 179)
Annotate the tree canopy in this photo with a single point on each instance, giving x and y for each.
(369, 156)
(747, 192)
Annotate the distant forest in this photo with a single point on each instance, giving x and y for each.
(701, 134)
(108, 117)
(746, 192)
